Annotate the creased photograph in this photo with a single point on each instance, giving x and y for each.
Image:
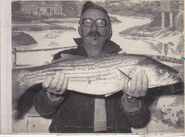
(103, 66)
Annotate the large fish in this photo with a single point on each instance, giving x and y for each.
(96, 76)
(99, 76)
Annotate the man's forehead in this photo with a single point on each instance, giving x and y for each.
(94, 14)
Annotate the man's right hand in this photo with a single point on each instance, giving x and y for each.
(57, 84)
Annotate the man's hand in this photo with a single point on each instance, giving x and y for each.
(57, 84)
(137, 86)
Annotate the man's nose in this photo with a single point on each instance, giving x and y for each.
(94, 27)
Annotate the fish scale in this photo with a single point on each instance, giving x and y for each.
(98, 76)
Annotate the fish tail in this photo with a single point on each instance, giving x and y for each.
(25, 101)
(17, 76)
(22, 93)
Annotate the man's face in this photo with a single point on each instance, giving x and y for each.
(95, 29)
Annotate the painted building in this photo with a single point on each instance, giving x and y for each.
(170, 7)
(42, 8)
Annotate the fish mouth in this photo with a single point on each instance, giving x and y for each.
(175, 85)
(176, 88)
(178, 78)
(172, 80)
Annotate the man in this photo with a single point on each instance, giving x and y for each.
(75, 112)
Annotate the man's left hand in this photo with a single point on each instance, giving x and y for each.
(137, 86)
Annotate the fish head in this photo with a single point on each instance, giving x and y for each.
(160, 74)
(165, 75)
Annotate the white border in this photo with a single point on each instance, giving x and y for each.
(6, 95)
(6, 75)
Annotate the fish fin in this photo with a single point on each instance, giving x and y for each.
(123, 73)
(25, 101)
(108, 94)
(65, 57)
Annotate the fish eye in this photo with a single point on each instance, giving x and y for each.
(162, 71)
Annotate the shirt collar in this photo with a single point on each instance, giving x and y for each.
(110, 46)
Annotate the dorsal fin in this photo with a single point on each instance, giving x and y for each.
(65, 57)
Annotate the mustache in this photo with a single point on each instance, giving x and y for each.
(94, 33)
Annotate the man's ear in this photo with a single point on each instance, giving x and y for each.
(80, 31)
(110, 34)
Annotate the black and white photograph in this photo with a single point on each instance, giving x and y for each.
(101, 66)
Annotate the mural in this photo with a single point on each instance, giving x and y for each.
(147, 27)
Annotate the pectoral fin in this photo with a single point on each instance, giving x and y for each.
(123, 74)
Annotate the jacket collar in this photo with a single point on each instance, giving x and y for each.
(110, 47)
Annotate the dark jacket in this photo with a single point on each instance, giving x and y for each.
(75, 112)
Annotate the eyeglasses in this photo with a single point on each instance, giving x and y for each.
(88, 22)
